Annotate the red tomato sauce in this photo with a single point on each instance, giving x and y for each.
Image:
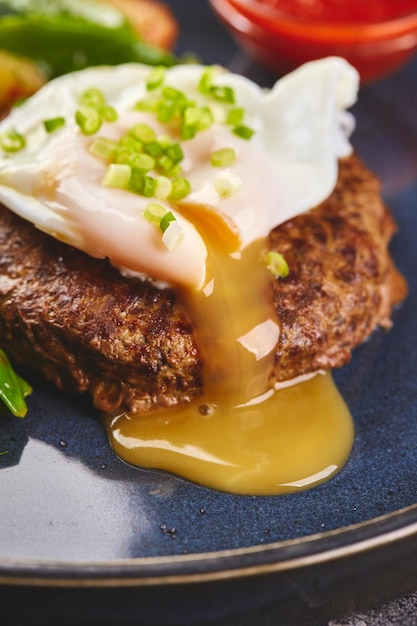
(357, 11)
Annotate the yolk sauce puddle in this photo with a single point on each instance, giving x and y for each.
(241, 436)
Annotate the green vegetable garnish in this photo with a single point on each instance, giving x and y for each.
(242, 131)
(13, 389)
(12, 141)
(276, 264)
(67, 35)
(223, 157)
(89, 120)
(53, 124)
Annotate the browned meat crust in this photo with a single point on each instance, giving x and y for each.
(127, 343)
(85, 328)
(342, 281)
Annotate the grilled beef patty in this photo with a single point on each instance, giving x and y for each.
(85, 328)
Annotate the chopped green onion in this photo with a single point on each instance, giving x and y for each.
(175, 153)
(164, 141)
(103, 147)
(125, 155)
(180, 189)
(235, 116)
(276, 264)
(223, 94)
(173, 94)
(187, 132)
(155, 78)
(192, 116)
(108, 113)
(137, 181)
(130, 142)
(13, 389)
(53, 124)
(12, 141)
(144, 163)
(165, 164)
(173, 235)
(154, 148)
(117, 175)
(166, 219)
(88, 119)
(242, 131)
(223, 157)
(142, 184)
(206, 118)
(154, 212)
(166, 110)
(206, 80)
(93, 97)
(149, 184)
(149, 105)
(143, 132)
(227, 184)
(163, 187)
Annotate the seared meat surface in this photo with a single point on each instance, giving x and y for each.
(84, 327)
(342, 282)
(130, 344)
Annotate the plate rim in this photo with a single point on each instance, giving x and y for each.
(292, 554)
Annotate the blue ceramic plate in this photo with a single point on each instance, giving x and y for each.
(74, 519)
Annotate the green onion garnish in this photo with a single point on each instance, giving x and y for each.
(165, 164)
(154, 212)
(242, 131)
(223, 94)
(117, 175)
(173, 232)
(235, 116)
(223, 157)
(174, 152)
(180, 189)
(165, 220)
(153, 148)
(276, 264)
(155, 78)
(108, 113)
(163, 187)
(93, 97)
(142, 132)
(148, 187)
(12, 141)
(103, 147)
(53, 124)
(88, 119)
(173, 235)
(206, 80)
(227, 184)
(150, 105)
(144, 163)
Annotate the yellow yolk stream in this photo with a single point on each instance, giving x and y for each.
(241, 435)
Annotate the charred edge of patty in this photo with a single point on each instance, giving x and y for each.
(342, 283)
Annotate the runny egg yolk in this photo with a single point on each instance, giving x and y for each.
(241, 435)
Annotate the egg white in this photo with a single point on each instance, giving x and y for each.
(289, 166)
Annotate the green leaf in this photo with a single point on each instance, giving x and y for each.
(13, 389)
